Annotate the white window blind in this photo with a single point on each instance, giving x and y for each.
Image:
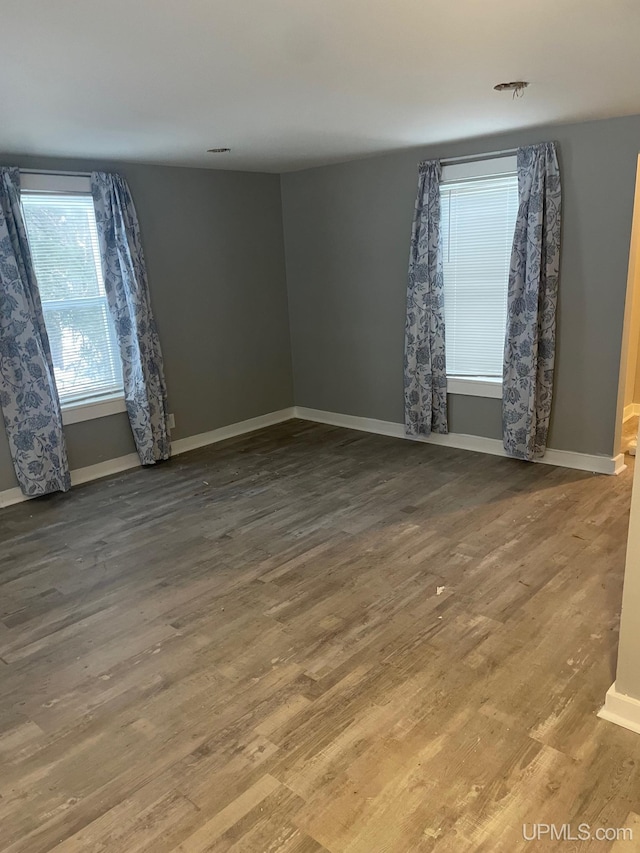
(478, 222)
(63, 238)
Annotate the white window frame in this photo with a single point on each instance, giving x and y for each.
(87, 410)
(477, 386)
(98, 407)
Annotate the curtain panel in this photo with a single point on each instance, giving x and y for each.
(530, 341)
(127, 289)
(425, 372)
(28, 394)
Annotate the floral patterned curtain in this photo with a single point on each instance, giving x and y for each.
(425, 373)
(28, 394)
(127, 289)
(530, 343)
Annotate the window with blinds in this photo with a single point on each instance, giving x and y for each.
(63, 238)
(478, 222)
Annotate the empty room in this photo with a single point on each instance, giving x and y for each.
(319, 357)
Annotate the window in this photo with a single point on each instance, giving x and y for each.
(479, 204)
(63, 238)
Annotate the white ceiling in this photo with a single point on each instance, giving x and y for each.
(294, 83)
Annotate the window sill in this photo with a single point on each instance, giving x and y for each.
(86, 410)
(474, 387)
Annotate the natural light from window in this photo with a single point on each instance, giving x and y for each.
(478, 220)
(63, 238)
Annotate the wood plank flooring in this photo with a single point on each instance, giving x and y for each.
(312, 639)
(629, 433)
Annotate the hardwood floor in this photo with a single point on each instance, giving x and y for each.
(311, 639)
(629, 433)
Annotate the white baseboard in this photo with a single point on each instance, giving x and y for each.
(11, 496)
(619, 465)
(182, 445)
(631, 410)
(621, 709)
(104, 469)
(561, 458)
(479, 444)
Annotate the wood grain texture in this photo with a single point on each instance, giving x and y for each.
(311, 639)
(629, 433)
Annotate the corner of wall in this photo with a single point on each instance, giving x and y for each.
(288, 290)
(629, 375)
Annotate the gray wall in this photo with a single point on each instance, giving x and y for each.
(214, 248)
(347, 238)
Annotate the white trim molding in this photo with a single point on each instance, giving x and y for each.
(477, 443)
(183, 445)
(474, 387)
(50, 182)
(631, 410)
(487, 167)
(86, 410)
(621, 709)
(11, 496)
(79, 476)
(104, 469)
(131, 460)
